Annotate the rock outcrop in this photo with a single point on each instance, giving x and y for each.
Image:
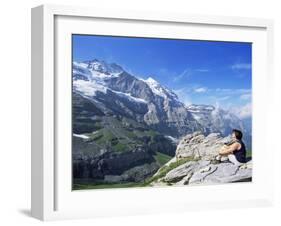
(180, 172)
(196, 145)
(200, 167)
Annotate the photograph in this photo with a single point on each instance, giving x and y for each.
(154, 112)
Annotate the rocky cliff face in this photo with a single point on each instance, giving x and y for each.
(113, 148)
(121, 93)
(195, 163)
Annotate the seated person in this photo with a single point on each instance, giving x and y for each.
(235, 151)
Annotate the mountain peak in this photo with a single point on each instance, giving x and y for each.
(151, 81)
(159, 89)
(103, 67)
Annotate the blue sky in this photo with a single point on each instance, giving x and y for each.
(200, 72)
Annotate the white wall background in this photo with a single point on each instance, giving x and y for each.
(15, 111)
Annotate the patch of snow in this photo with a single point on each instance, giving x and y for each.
(104, 67)
(155, 87)
(88, 88)
(93, 71)
(193, 111)
(79, 69)
(102, 76)
(196, 117)
(200, 108)
(173, 139)
(130, 97)
(152, 81)
(80, 64)
(81, 136)
(158, 89)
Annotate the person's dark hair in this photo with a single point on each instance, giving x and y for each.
(238, 134)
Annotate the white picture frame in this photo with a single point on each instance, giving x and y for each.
(52, 197)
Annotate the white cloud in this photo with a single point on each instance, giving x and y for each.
(200, 90)
(233, 91)
(218, 100)
(246, 96)
(240, 66)
(223, 90)
(186, 73)
(224, 98)
(244, 111)
(183, 96)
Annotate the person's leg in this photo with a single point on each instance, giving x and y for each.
(222, 158)
(218, 157)
(233, 160)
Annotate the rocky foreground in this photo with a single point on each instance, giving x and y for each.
(195, 163)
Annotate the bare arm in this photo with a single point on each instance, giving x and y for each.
(225, 150)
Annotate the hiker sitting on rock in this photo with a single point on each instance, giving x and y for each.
(235, 150)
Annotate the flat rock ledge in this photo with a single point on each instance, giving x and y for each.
(201, 168)
(205, 172)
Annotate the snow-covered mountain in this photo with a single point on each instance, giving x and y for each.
(159, 90)
(119, 93)
(116, 92)
(95, 70)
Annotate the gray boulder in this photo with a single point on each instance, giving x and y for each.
(200, 175)
(197, 145)
(206, 172)
(221, 173)
(180, 172)
(184, 170)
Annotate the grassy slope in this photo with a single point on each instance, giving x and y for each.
(167, 168)
(121, 137)
(162, 158)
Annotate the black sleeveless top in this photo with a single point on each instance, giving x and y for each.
(241, 153)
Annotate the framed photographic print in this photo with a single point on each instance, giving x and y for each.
(137, 112)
